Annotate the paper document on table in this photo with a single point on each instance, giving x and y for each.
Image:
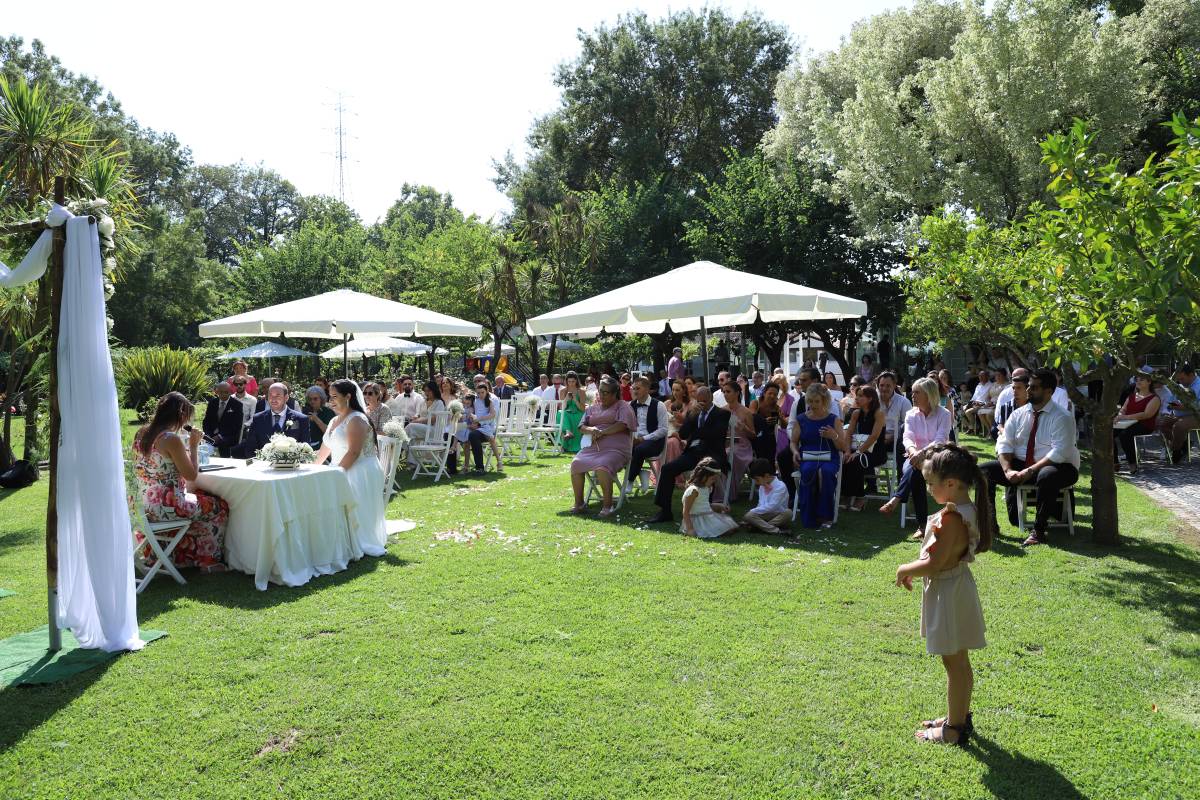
(1124, 423)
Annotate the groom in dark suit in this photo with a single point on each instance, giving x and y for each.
(275, 418)
(223, 419)
(704, 434)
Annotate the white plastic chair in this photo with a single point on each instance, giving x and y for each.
(1027, 493)
(837, 492)
(547, 428)
(619, 487)
(391, 451)
(517, 433)
(431, 453)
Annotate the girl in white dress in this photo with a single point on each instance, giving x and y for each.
(350, 441)
(951, 617)
(700, 518)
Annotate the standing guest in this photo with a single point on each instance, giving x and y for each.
(223, 419)
(377, 412)
(1036, 447)
(927, 423)
(316, 408)
(275, 418)
(818, 430)
(164, 462)
(701, 518)
(772, 514)
(868, 447)
(407, 403)
(757, 385)
(767, 415)
(503, 390)
(610, 422)
(249, 403)
(664, 385)
(239, 371)
(480, 425)
(703, 434)
(884, 348)
(1178, 417)
(675, 369)
(650, 433)
(867, 370)
(744, 434)
(895, 406)
(574, 407)
(835, 392)
(951, 617)
(419, 425)
(323, 382)
(626, 387)
(1141, 408)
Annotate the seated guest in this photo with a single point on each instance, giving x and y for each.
(677, 406)
(480, 424)
(650, 433)
(717, 394)
(924, 425)
(868, 447)
(818, 431)
(377, 411)
(626, 387)
(239, 371)
(407, 403)
(978, 399)
(850, 399)
(319, 413)
(767, 416)
(503, 391)
(1017, 395)
(806, 377)
(1037, 446)
(419, 425)
(771, 514)
(867, 370)
(1141, 408)
(544, 391)
(276, 418)
(757, 385)
(448, 391)
(610, 422)
(164, 461)
(987, 412)
(664, 385)
(895, 406)
(744, 434)
(1179, 417)
(323, 382)
(223, 419)
(574, 407)
(704, 434)
(835, 392)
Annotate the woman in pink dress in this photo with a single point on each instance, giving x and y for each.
(678, 407)
(611, 423)
(163, 463)
(743, 436)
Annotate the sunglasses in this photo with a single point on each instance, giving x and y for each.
(370, 393)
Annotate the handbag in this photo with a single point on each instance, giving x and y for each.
(824, 454)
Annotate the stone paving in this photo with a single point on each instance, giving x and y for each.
(1175, 486)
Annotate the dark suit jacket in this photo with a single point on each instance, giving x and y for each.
(713, 437)
(505, 392)
(261, 431)
(225, 428)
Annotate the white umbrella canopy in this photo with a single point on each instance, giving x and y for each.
(336, 314)
(562, 344)
(489, 350)
(381, 346)
(699, 295)
(265, 350)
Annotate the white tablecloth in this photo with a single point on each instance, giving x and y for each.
(284, 526)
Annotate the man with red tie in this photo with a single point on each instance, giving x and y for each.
(1036, 446)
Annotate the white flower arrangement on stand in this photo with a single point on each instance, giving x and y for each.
(533, 401)
(284, 452)
(395, 429)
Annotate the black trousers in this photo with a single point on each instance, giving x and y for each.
(912, 484)
(1050, 480)
(1125, 437)
(641, 454)
(854, 472)
(476, 440)
(672, 470)
(787, 465)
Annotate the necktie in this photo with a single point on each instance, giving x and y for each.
(278, 424)
(221, 409)
(1032, 438)
(703, 417)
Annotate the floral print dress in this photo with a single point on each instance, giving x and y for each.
(164, 494)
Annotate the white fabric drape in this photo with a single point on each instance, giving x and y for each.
(33, 265)
(95, 563)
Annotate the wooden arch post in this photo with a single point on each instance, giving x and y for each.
(56, 287)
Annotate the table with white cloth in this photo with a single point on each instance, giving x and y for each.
(285, 526)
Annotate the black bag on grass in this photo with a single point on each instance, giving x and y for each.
(21, 474)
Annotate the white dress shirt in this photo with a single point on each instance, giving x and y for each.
(772, 499)
(1006, 396)
(1061, 397)
(981, 393)
(409, 407)
(248, 406)
(1056, 436)
(547, 393)
(895, 410)
(641, 410)
(719, 399)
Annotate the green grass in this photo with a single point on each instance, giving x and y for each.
(563, 657)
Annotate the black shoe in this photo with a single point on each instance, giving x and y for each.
(662, 516)
(452, 464)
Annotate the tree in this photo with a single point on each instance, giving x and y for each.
(241, 206)
(419, 212)
(939, 105)
(770, 220)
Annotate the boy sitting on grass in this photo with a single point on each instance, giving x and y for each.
(772, 514)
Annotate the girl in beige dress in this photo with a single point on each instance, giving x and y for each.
(951, 617)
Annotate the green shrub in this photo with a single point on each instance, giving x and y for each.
(146, 374)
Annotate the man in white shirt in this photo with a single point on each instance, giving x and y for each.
(406, 403)
(1006, 396)
(719, 394)
(979, 398)
(895, 406)
(1037, 446)
(756, 385)
(651, 434)
(1177, 418)
(772, 513)
(249, 403)
(664, 385)
(544, 391)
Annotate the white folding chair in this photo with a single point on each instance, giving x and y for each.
(503, 410)
(431, 453)
(153, 552)
(517, 433)
(728, 486)
(546, 429)
(1193, 440)
(1151, 443)
(837, 492)
(1027, 494)
(619, 487)
(390, 453)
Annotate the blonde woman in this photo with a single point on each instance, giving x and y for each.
(818, 432)
(927, 423)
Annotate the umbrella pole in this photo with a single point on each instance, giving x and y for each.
(704, 347)
(345, 356)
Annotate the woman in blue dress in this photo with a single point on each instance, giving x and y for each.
(818, 432)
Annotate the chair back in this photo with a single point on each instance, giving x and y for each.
(503, 410)
(518, 418)
(548, 413)
(390, 451)
(441, 425)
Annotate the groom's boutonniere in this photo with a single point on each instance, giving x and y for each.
(291, 423)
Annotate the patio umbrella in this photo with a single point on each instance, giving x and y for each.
(267, 350)
(489, 350)
(337, 315)
(381, 346)
(696, 297)
(563, 344)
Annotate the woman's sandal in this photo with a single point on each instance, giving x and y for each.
(856, 506)
(889, 506)
(607, 511)
(579, 509)
(940, 721)
(918, 536)
(938, 735)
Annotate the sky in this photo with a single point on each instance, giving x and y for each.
(433, 92)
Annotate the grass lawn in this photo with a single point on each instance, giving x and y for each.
(542, 655)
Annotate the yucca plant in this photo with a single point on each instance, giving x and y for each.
(39, 139)
(146, 374)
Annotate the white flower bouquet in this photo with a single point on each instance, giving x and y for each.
(284, 452)
(455, 407)
(533, 401)
(395, 430)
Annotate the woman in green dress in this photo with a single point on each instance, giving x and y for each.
(574, 404)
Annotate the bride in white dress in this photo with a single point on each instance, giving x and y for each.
(350, 441)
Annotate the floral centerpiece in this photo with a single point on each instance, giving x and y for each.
(284, 452)
(395, 429)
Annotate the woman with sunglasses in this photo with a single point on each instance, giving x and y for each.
(377, 412)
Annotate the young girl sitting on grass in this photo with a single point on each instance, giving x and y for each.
(951, 618)
(699, 517)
